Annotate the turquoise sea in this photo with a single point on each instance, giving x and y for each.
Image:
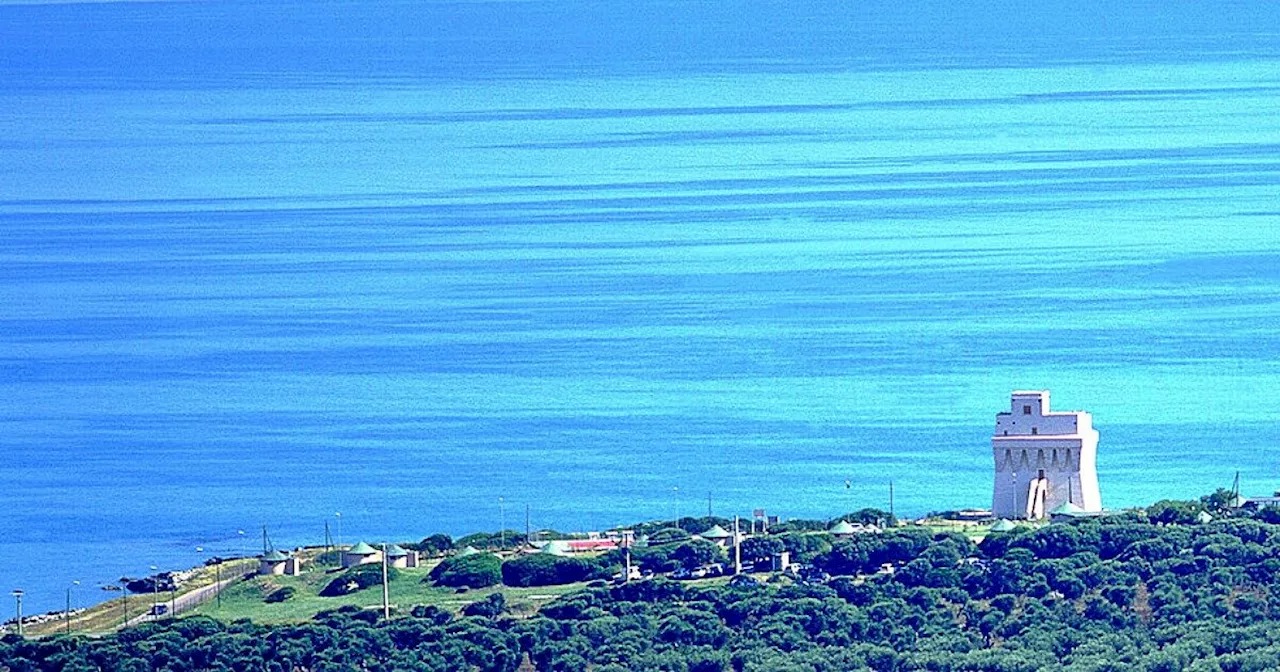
(428, 263)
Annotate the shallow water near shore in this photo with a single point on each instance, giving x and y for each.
(595, 261)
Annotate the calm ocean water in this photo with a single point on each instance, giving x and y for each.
(265, 262)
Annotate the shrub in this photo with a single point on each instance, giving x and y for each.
(667, 535)
(357, 578)
(471, 571)
(490, 607)
(544, 569)
(280, 594)
(435, 544)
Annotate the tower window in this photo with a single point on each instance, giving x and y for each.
(1026, 410)
(1035, 431)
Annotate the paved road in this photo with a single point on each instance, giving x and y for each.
(181, 603)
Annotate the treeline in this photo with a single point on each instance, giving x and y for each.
(1130, 592)
(666, 547)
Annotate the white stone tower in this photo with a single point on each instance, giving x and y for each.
(1043, 460)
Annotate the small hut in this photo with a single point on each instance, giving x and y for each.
(1003, 525)
(1066, 511)
(718, 536)
(360, 554)
(402, 558)
(555, 548)
(843, 530)
(273, 563)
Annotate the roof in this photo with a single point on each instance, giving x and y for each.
(468, 550)
(591, 544)
(716, 532)
(362, 549)
(1003, 525)
(555, 548)
(842, 527)
(275, 556)
(1204, 517)
(1066, 509)
(394, 551)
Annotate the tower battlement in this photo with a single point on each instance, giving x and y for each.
(1043, 459)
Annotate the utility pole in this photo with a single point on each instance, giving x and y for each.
(737, 548)
(502, 522)
(217, 570)
(708, 503)
(893, 518)
(386, 595)
(528, 529)
(626, 560)
(67, 620)
(124, 599)
(17, 595)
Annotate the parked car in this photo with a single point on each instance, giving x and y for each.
(633, 575)
(159, 610)
(814, 575)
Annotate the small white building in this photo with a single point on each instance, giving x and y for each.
(1043, 459)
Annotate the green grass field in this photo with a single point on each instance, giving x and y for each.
(246, 599)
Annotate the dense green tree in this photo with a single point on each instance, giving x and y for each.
(436, 544)
(1110, 594)
(697, 553)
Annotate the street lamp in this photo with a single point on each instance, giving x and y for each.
(675, 503)
(502, 522)
(124, 600)
(339, 517)
(17, 596)
(155, 592)
(217, 571)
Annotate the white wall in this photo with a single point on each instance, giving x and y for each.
(1062, 445)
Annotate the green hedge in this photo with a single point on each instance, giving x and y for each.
(471, 571)
(544, 569)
